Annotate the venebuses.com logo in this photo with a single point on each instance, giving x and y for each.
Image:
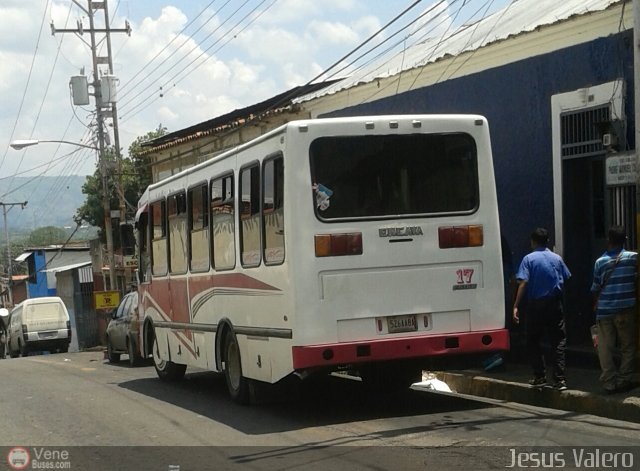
(18, 458)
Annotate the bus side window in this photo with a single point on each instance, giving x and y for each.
(250, 216)
(223, 231)
(144, 267)
(198, 229)
(158, 238)
(177, 224)
(273, 211)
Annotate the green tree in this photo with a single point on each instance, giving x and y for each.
(135, 177)
(48, 235)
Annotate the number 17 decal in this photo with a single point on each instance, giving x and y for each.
(465, 275)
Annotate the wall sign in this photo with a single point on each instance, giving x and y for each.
(622, 169)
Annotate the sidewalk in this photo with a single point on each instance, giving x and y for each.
(508, 382)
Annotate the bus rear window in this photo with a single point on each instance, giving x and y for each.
(394, 175)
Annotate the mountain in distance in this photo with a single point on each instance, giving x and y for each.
(51, 201)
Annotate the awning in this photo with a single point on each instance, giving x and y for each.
(66, 267)
(23, 256)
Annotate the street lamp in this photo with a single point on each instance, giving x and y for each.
(19, 144)
(106, 204)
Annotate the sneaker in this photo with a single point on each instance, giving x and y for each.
(560, 385)
(538, 382)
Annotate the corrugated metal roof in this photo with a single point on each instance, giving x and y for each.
(67, 267)
(273, 106)
(520, 16)
(22, 257)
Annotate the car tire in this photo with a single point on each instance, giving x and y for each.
(134, 357)
(111, 355)
(24, 351)
(237, 384)
(64, 348)
(166, 370)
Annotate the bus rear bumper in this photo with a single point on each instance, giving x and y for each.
(400, 348)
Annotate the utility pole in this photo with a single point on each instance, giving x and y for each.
(104, 110)
(6, 235)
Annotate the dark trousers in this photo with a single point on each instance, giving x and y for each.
(545, 317)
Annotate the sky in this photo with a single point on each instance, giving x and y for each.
(186, 61)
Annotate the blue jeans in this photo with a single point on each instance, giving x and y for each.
(620, 328)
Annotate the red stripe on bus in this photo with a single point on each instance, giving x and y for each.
(198, 284)
(399, 348)
(184, 343)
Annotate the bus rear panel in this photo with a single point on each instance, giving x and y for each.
(401, 256)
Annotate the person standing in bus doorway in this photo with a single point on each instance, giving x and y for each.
(541, 278)
(614, 290)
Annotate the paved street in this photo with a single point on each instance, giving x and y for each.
(79, 399)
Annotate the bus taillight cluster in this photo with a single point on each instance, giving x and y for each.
(333, 245)
(450, 237)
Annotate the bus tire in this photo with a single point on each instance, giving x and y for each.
(237, 384)
(166, 370)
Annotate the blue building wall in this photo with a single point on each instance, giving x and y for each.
(516, 99)
(39, 288)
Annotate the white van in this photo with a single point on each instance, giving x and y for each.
(39, 324)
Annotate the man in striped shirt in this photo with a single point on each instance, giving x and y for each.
(614, 284)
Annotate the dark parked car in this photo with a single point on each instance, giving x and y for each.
(122, 332)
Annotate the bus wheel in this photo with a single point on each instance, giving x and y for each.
(237, 384)
(167, 370)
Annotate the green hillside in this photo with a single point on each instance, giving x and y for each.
(51, 201)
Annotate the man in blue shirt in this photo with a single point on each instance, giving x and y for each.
(541, 279)
(614, 285)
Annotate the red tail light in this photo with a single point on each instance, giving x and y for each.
(450, 237)
(334, 245)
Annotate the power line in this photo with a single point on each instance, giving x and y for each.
(364, 54)
(130, 113)
(185, 56)
(324, 72)
(434, 49)
(44, 97)
(26, 85)
(125, 85)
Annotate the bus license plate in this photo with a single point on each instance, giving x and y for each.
(402, 324)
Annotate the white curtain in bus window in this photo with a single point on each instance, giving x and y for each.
(145, 252)
(177, 218)
(273, 211)
(250, 216)
(158, 238)
(223, 227)
(198, 229)
(395, 175)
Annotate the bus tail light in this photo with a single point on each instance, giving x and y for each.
(25, 332)
(450, 237)
(333, 245)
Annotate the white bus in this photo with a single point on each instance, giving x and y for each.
(367, 243)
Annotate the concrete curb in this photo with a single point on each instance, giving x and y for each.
(614, 407)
